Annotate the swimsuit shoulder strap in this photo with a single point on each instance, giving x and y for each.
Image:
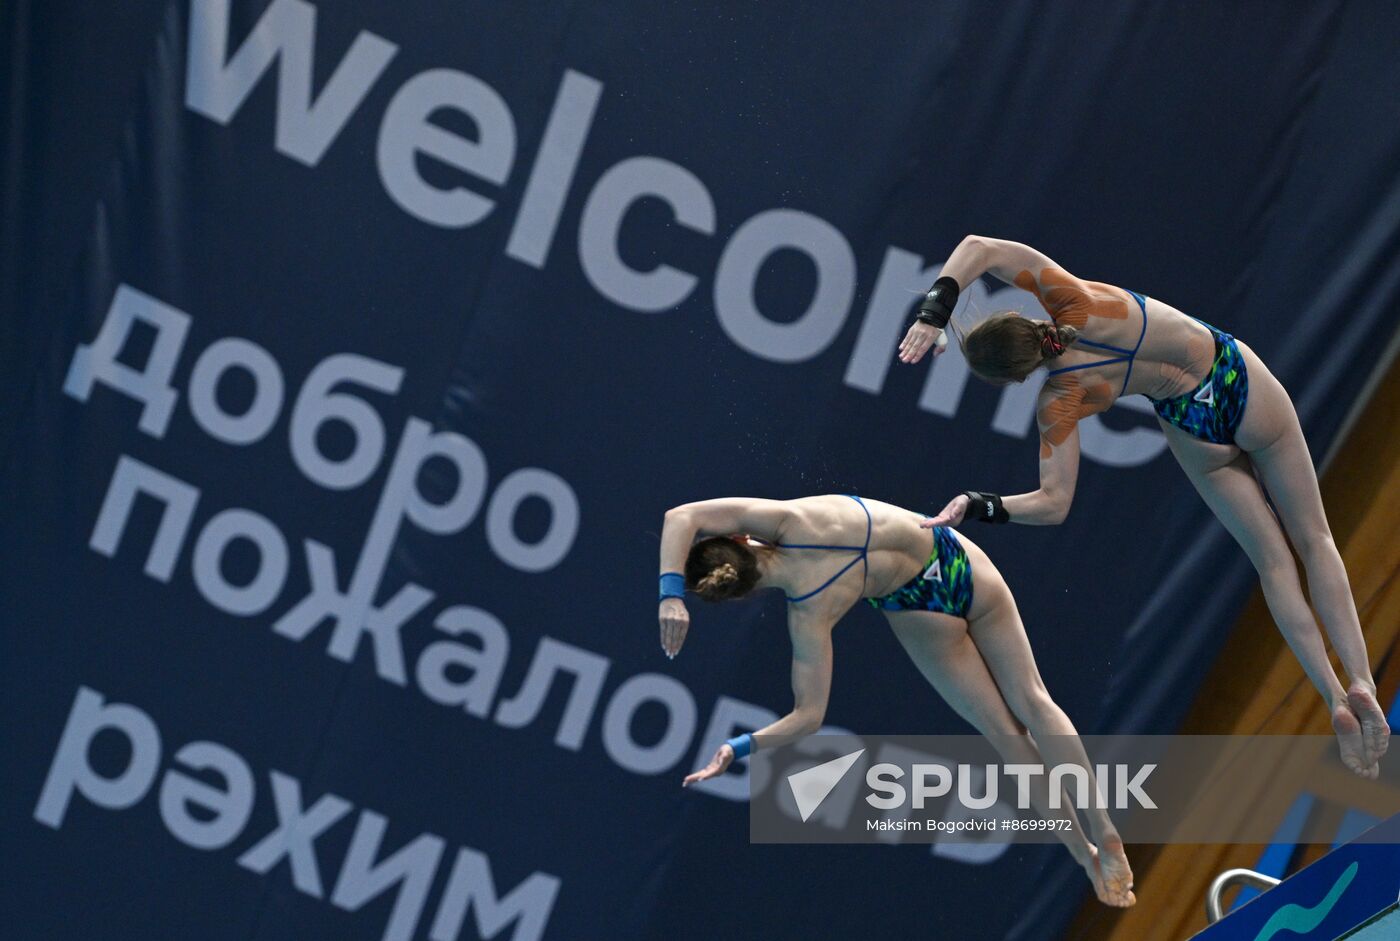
(861, 557)
(824, 585)
(1127, 356)
(865, 550)
(1142, 303)
(1102, 362)
(869, 521)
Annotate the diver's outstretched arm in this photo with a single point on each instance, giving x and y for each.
(811, 686)
(1059, 475)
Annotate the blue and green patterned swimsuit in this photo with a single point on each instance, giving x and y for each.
(944, 586)
(1212, 411)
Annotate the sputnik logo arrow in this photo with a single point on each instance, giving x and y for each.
(810, 787)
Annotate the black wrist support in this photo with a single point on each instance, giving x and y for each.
(986, 507)
(937, 306)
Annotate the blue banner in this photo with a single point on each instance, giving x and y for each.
(352, 353)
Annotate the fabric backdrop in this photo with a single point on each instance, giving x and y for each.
(352, 353)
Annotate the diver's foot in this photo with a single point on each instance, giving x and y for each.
(1111, 878)
(1350, 741)
(1375, 731)
(1117, 874)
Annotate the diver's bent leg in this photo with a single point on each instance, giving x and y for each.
(941, 649)
(1274, 440)
(1233, 494)
(1001, 639)
(1286, 470)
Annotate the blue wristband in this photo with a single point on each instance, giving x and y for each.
(672, 586)
(742, 745)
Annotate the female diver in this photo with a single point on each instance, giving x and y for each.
(1227, 419)
(970, 644)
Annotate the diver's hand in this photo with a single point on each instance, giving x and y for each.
(917, 341)
(950, 515)
(722, 760)
(675, 622)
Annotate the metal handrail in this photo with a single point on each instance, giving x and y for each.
(1230, 878)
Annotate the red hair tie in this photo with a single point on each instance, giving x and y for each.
(1050, 344)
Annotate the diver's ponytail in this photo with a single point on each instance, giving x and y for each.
(720, 576)
(1054, 338)
(719, 568)
(1007, 347)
